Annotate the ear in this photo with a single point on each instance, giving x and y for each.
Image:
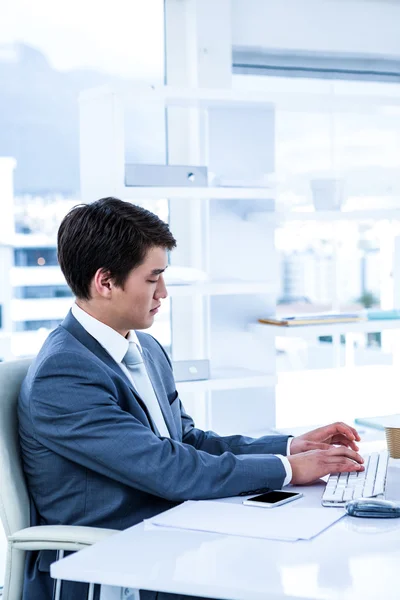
(103, 283)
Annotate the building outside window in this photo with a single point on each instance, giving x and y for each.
(35, 257)
(335, 142)
(42, 291)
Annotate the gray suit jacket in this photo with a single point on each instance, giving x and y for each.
(92, 455)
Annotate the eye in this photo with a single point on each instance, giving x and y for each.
(152, 280)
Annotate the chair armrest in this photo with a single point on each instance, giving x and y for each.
(58, 537)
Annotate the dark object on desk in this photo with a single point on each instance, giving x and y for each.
(373, 508)
(272, 498)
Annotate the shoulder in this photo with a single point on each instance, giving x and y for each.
(63, 354)
(65, 378)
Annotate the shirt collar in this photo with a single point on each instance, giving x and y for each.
(112, 341)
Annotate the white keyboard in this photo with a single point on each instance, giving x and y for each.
(342, 487)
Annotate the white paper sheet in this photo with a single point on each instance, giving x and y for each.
(279, 523)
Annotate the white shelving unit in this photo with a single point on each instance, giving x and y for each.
(222, 242)
(103, 165)
(227, 231)
(200, 321)
(202, 121)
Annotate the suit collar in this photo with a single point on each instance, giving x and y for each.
(112, 341)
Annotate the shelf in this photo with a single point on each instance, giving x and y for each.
(221, 288)
(145, 94)
(25, 276)
(312, 331)
(217, 193)
(339, 215)
(228, 379)
(280, 218)
(180, 96)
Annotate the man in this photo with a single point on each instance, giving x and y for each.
(105, 439)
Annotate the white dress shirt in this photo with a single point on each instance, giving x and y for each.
(286, 463)
(116, 346)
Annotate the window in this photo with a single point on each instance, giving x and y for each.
(336, 145)
(42, 291)
(35, 257)
(36, 325)
(126, 45)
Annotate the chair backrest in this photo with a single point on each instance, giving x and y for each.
(14, 499)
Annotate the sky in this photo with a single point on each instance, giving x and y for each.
(122, 37)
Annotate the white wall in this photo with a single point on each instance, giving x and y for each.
(351, 27)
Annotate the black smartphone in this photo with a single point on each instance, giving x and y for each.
(272, 498)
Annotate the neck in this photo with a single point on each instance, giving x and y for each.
(101, 315)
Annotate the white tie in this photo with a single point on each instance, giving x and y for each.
(133, 360)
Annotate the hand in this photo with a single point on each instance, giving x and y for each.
(323, 438)
(310, 466)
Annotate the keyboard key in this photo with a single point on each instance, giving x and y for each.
(379, 487)
(343, 487)
(358, 492)
(371, 474)
(329, 496)
(338, 494)
(348, 494)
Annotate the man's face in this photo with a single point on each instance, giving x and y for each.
(136, 305)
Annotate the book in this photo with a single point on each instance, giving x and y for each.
(316, 319)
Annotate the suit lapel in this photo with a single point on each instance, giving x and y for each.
(80, 333)
(160, 393)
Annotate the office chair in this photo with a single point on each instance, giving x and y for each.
(14, 499)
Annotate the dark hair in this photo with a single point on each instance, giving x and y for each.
(107, 234)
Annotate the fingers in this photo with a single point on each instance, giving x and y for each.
(346, 453)
(341, 428)
(341, 440)
(346, 466)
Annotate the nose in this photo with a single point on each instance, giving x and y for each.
(161, 290)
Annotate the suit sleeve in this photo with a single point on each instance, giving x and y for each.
(237, 444)
(75, 413)
(210, 442)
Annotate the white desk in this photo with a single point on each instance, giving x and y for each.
(356, 559)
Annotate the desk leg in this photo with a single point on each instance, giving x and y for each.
(110, 592)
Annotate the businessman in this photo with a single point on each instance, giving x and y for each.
(104, 437)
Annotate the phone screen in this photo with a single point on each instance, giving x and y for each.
(273, 497)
